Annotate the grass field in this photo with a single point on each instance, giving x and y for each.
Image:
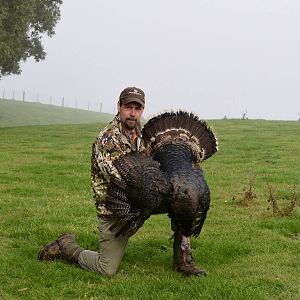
(18, 113)
(248, 252)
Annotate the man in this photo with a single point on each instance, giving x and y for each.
(121, 136)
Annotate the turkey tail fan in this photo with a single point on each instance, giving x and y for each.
(180, 127)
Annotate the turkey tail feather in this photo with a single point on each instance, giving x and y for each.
(178, 127)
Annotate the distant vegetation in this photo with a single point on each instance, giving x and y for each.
(18, 113)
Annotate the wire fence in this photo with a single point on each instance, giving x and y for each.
(62, 101)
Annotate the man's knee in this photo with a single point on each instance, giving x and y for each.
(106, 271)
(92, 261)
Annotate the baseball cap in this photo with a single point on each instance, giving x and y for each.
(132, 94)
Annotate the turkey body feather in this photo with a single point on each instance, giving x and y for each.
(170, 176)
(142, 189)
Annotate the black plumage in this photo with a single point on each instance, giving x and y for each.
(170, 177)
(142, 189)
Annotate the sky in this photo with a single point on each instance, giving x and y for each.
(215, 58)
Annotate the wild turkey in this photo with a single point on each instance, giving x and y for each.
(179, 141)
(169, 178)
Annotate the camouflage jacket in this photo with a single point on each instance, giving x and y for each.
(110, 144)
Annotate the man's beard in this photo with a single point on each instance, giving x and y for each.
(130, 125)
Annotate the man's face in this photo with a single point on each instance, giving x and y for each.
(130, 114)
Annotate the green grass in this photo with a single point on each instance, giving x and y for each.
(248, 252)
(18, 113)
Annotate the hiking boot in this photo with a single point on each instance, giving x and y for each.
(182, 260)
(64, 247)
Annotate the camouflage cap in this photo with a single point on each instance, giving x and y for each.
(132, 94)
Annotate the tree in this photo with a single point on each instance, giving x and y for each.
(22, 25)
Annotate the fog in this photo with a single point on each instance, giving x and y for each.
(215, 58)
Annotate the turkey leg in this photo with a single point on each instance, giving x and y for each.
(182, 256)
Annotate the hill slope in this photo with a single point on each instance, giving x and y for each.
(17, 113)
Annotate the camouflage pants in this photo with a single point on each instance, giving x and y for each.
(111, 250)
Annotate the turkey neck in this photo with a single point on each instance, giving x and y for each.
(174, 158)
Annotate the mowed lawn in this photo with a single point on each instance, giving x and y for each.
(247, 251)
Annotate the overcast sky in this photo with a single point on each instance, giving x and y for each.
(212, 57)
